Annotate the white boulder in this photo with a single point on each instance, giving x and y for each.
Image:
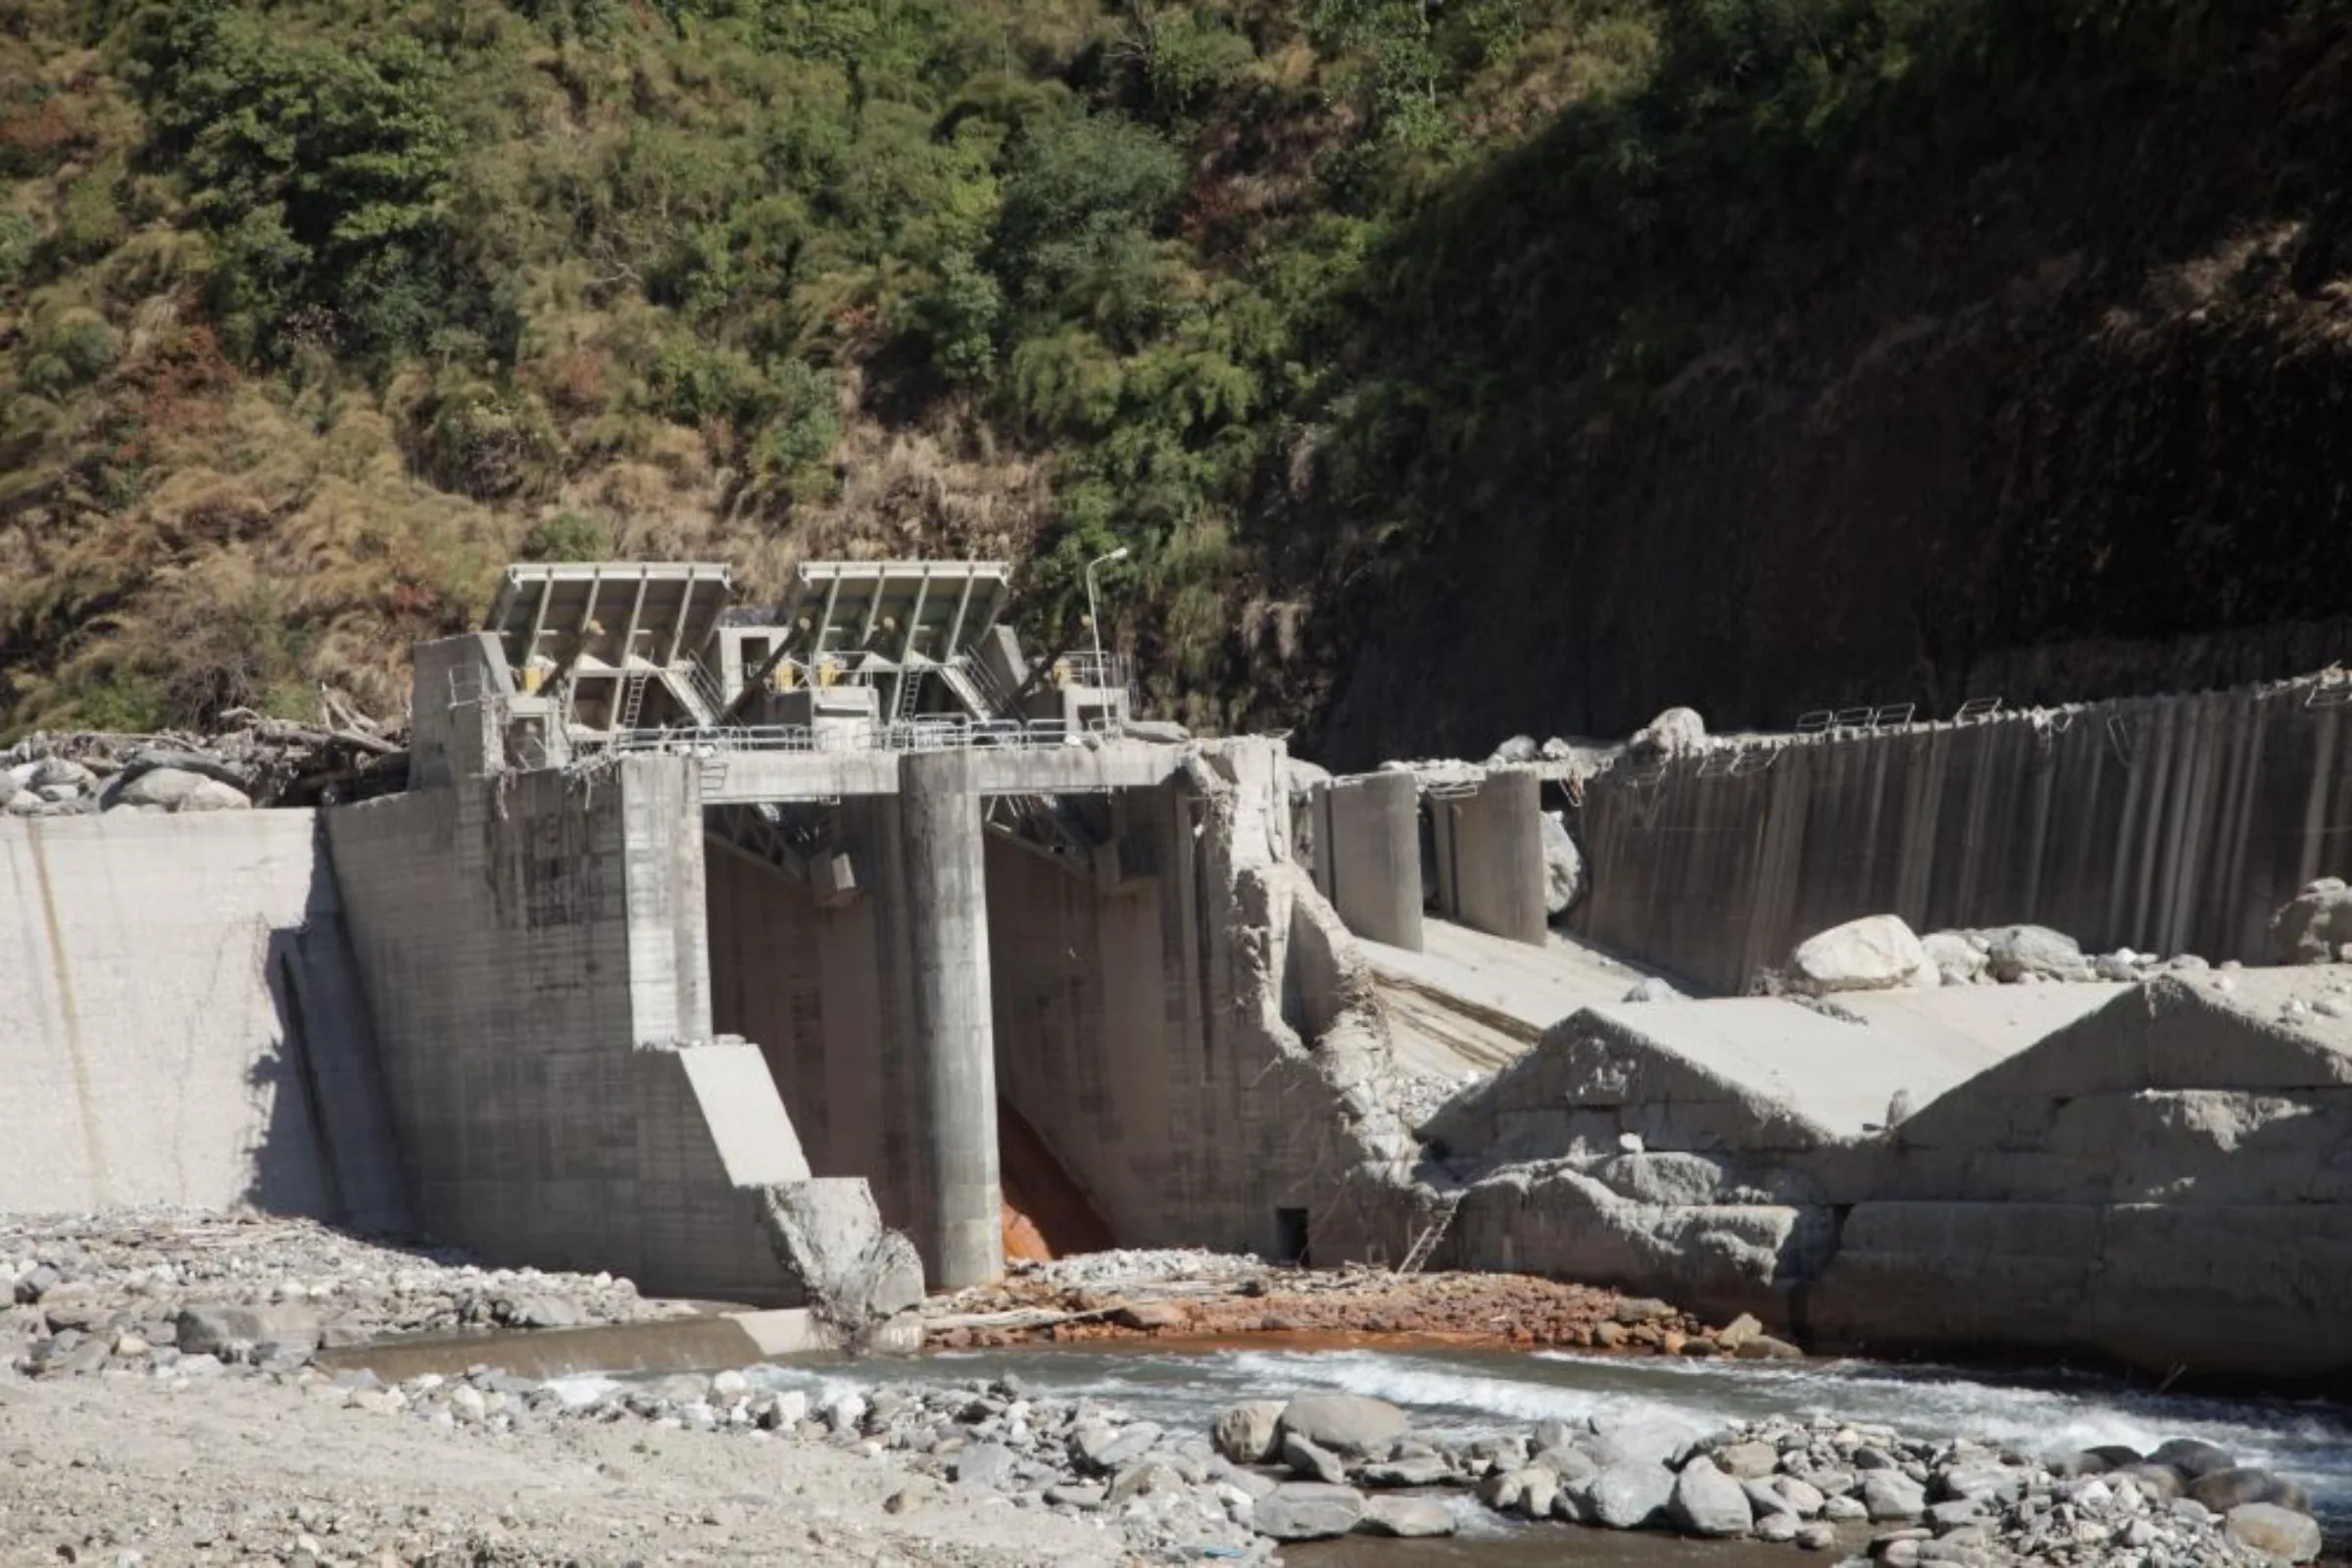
(178, 790)
(1876, 953)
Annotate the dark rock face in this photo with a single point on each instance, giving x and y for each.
(2068, 459)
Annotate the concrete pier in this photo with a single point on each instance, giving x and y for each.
(1368, 855)
(953, 1037)
(1490, 856)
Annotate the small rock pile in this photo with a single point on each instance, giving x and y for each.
(1880, 953)
(78, 1290)
(1822, 1484)
(2035, 955)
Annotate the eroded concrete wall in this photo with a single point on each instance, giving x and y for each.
(1200, 1046)
(2165, 824)
(533, 950)
(179, 1022)
(2160, 1181)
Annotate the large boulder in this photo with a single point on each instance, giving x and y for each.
(2016, 952)
(1876, 953)
(2316, 925)
(1249, 1433)
(175, 789)
(1409, 1517)
(2237, 1484)
(1958, 956)
(58, 773)
(1563, 866)
(858, 1274)
(1708, 1503)
(1347, 1424)
(1306, 1510)
(1311, 1461)
(2283, 1532)
(1630, 1495)
(1892, 1498)
(247, 1333)
(2193, 1456)
(1657, 1441)
(1674, 732)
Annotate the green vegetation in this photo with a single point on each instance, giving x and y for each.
(310, 314)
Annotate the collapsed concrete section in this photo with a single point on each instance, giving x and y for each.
(2151, 1173)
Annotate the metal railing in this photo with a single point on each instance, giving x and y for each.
(1882, 715)
(703, 684)
(1086, 668)
(935, 733)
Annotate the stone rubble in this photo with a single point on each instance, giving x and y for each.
(1879, 952)
(1821, 1485)
(77, 1288)
(263, 761)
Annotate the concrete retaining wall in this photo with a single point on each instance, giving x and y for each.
(179, 1022)
(2165, 824)
(533, 948)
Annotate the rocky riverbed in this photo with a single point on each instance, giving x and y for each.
(163, 1405)
(1087, 1473)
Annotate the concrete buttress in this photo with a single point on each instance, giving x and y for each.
(953, 1037)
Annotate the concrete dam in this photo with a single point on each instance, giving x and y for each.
(745, 951)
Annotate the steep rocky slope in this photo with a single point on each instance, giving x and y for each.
(2064, 421)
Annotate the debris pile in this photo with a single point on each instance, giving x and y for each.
(74, 1289)
(1879, 952)
(261, 762)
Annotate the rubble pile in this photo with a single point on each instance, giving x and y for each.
(76, 1290)
(1824, 1485)
(261, 762)
(1879, 952)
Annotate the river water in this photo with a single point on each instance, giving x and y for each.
(1478, 1391)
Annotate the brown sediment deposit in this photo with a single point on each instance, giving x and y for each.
(1513, 1312)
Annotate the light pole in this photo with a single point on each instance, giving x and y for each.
(1094, 617)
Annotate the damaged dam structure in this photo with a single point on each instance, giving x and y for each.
(773, 955)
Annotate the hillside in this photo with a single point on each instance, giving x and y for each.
(1449, 369)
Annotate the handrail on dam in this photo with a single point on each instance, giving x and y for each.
(943, 734)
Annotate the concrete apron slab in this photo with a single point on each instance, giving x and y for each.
(706, 1344)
